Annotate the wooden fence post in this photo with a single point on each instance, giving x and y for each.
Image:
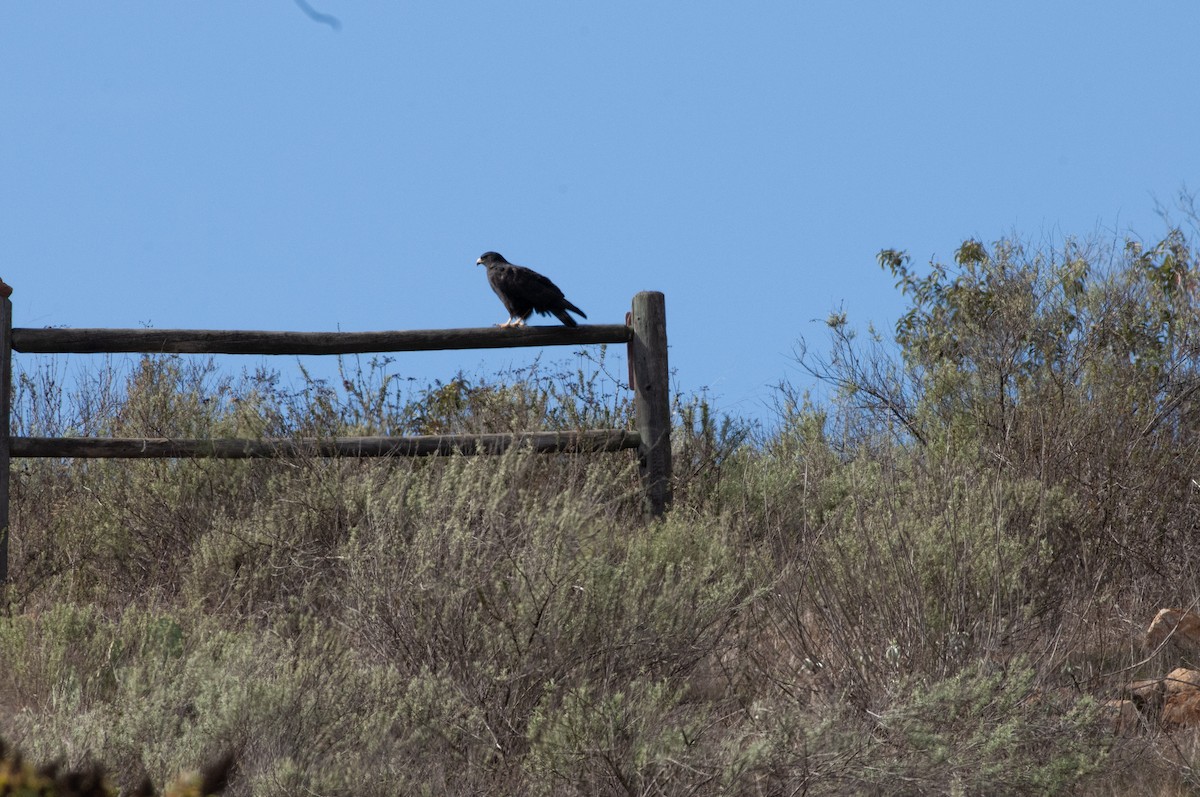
(5, 427)
(652, 396)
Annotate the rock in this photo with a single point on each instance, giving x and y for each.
(1147, 695)
(1181, 708)
(1181, 680)
(1181, 711)
(1177, 629)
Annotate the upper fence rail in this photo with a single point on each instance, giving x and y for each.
(205, 341)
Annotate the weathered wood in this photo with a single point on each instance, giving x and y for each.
(592, 440)
(652, 396)
(204, 341)
(5, 426)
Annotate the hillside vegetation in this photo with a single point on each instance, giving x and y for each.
(928, 581)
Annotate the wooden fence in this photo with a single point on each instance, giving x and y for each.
(644, 331)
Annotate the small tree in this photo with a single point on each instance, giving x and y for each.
(1074, 366)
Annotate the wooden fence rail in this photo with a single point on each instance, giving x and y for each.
(645, 333)
(206, 341)
(591, 440)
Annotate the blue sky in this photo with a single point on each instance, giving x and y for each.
(234, 165)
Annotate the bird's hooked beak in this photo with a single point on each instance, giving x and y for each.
(479, 261)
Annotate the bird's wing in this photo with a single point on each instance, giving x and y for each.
(526, 285)
(530, 290)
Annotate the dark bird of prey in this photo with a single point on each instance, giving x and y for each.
(525, 291)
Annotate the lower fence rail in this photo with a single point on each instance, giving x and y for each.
(584, 441)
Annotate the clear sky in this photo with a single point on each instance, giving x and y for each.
(243, 165)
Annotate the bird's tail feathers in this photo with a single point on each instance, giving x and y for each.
(565, 317)
(567, 305)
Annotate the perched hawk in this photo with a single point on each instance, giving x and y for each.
(525, 291)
